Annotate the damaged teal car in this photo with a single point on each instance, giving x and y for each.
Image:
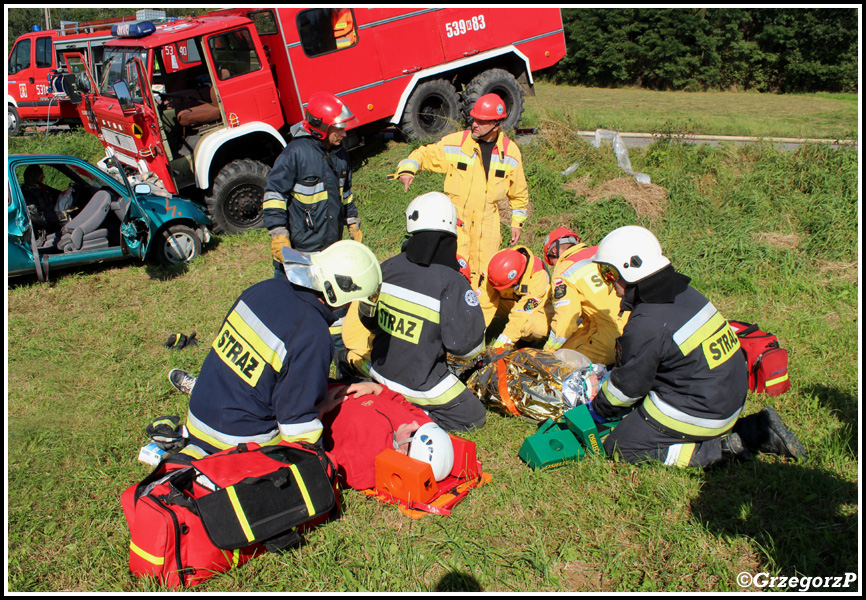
(65, 212)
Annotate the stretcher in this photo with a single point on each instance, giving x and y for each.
(409, 483)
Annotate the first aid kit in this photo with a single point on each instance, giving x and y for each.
(766, 360)
(191, 520)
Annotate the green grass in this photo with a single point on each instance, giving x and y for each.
(768, 236)
(823, 116)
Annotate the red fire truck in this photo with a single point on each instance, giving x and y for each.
(35, 92)
(247, 74)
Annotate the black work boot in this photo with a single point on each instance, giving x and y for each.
(733, 447)
(764, 432)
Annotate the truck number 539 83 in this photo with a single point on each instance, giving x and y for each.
(455, 28)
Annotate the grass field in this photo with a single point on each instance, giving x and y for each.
(770, 237)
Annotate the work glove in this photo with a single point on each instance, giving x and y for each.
(278, 242)
(179, 341)
(355, 233)
(167, 433)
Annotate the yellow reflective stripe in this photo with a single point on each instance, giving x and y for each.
(163, 422)
(614, 395)
(310, 437)
(680, 455)
(776, 380)
(311, 198)
(410, 308)
(236, 557)
(687, 424)
(702, 333)
(303, 487)
(348, 199)
(156, 560)
(239, 513)
(272, 356)
(280, 204)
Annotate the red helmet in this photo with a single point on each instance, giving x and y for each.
(324, 110)
(506, 268)
(559, 236)
(464, 268)
(489, 107)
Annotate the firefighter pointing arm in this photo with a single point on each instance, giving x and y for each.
(482, 167)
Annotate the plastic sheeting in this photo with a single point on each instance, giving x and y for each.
(621, 153)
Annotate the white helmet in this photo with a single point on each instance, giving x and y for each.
(633, 251)
(432, 211)
(432, 444)
(344, 271)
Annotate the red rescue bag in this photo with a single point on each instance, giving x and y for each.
(190, 521)
(766, 360)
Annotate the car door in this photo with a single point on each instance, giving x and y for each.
(136, 228)
(19, 253)
(84, 84)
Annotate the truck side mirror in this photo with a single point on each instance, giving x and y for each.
(124, 98)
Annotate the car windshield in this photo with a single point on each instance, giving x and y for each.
(119, 66)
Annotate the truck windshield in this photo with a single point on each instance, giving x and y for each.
(119, 66)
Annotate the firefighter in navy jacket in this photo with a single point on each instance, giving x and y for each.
(267, 369)
(426, 309)
(678, 366)
(308, 198)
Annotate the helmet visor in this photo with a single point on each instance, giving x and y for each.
(609, 273)
(299, 269)
(345, 119)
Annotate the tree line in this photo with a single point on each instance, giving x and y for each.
(763, 49)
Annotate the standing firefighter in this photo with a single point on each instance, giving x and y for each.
(515, 286)
(482, 167)
(308, 198)
(267, 371)
(586, 310)
(426, 309)
(679, 367)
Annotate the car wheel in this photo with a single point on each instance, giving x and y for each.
(433, 109)
(13, 121)
(235, 202)
(503, 84)
(178, 244)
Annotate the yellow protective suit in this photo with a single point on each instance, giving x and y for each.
(525, 305)
(475, 195)
(585, 309)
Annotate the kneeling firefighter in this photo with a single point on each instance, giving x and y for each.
(267, 370)
(516, 286)
(679, 369)
(426, 309)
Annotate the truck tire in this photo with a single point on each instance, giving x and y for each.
(433, 109)
(234, 203)
(177, 244)
(13, 121)
(501, 83)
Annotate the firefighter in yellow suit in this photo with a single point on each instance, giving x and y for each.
(515, 285)
(482, 167)
(586, 311)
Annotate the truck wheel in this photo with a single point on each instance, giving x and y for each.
(13, 121)
(433, 109)
(503, 84)
(235, 201)
(177, 244)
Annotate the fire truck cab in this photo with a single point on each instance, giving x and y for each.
(36, 91)
(207, 103)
